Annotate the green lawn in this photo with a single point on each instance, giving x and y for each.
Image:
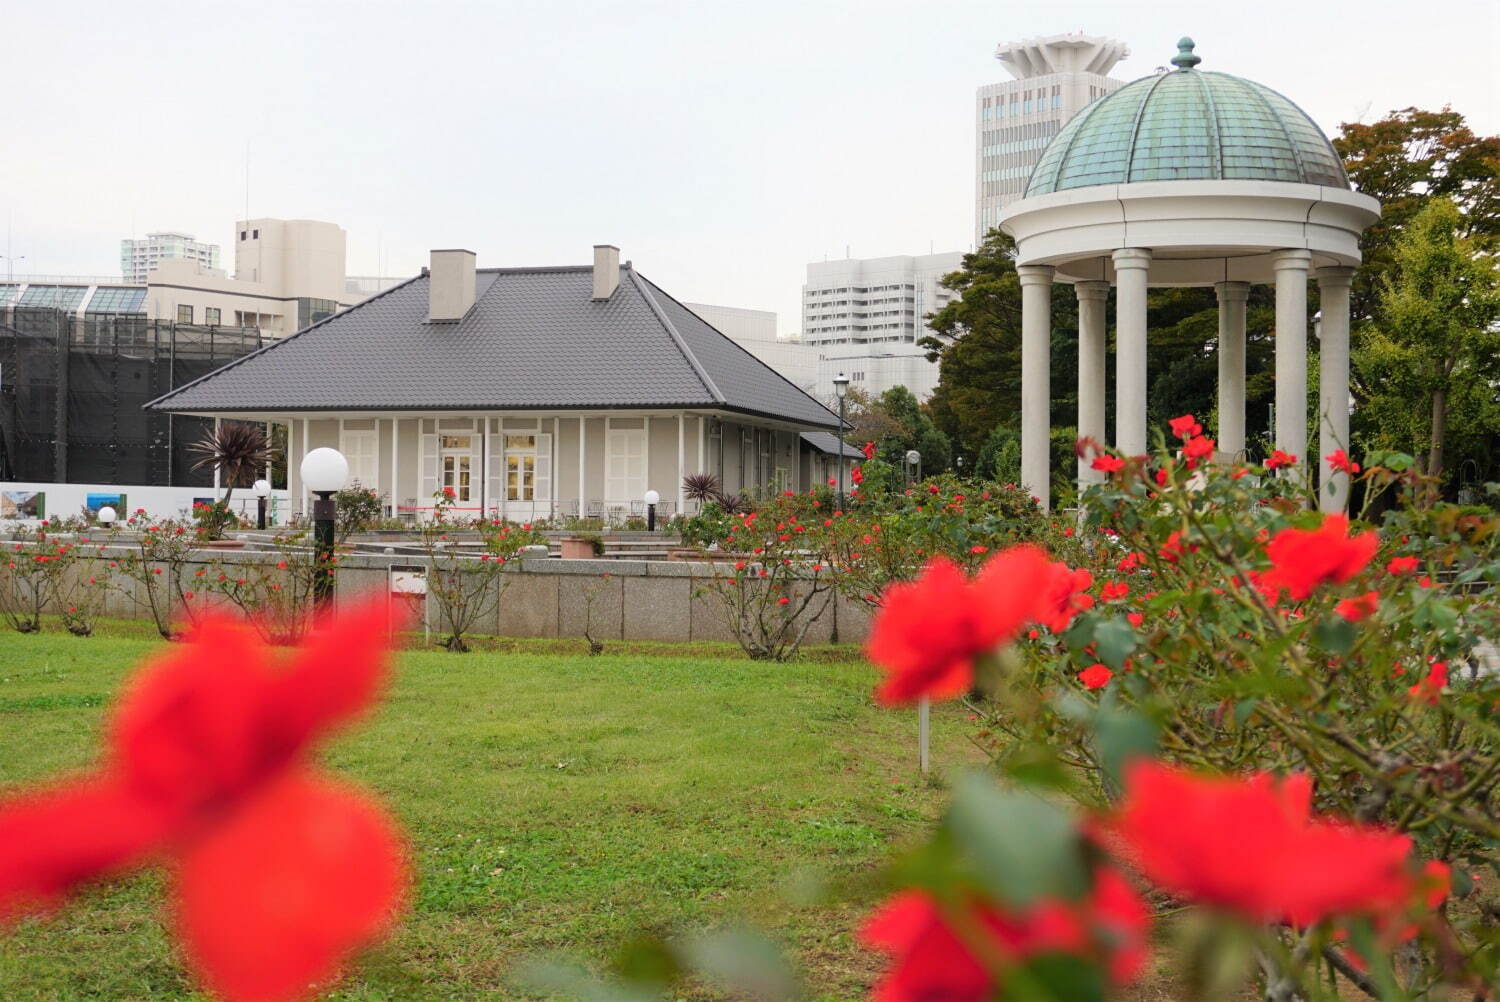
(555, 802)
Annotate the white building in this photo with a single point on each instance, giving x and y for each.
(755, 331)
(864, 317)
(1055, 78)
(138, 258)
(288, 273)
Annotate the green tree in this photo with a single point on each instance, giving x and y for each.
(1433, 361)
(977, 343)
(1405, 160)
(912, 428)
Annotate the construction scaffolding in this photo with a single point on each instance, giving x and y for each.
(72, 390)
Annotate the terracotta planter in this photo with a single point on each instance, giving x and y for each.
(577, 549)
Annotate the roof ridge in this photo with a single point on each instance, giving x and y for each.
(741, 348)
(235, 363)
(636, 280)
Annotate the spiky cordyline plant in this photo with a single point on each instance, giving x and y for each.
(235, 450)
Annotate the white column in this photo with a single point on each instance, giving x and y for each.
(1036, 378)
(395, 468)
(306, 448)
(583, 436)
(681, 461)
(1092, 301)
(1333, 384)
(1291, 353)
(1132, 265)
(1232, 299)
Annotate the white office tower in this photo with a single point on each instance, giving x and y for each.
(1055, 78)
(864, 317)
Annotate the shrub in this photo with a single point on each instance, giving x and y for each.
(359, 509)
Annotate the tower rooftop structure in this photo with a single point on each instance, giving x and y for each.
(1068, 53)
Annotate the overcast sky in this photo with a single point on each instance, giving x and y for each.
(721, 145)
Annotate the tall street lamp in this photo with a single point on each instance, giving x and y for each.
(324, 471)
(652, 499)
(262, 491)
(841, 389)
(914, 461)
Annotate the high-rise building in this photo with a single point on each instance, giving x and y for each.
(1055, 78)
(138, 258)
(865, 316)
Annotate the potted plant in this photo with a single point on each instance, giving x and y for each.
(583, 546)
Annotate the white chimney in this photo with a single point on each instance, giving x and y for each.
(606, 270)
(450, 285)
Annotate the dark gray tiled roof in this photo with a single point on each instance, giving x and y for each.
(535, 340)
(830, 444)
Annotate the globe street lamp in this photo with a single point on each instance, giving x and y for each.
(652, 499)
(841, 390)
(107, 516)
(262, 491)
(914, 462)
(324, 471)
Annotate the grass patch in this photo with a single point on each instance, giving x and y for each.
(553, 801)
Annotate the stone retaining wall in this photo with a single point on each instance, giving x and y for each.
(545, 597)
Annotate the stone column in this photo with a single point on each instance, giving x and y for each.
(1232, 299)
(1333, 384)
(1036, 378)
(1131, 267)
(1092, 298)
(1290, 434)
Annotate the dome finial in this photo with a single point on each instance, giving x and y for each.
(1185, 60)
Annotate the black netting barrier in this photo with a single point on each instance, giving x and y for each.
(72, 393)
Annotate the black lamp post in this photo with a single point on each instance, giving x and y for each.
(841, 389)
(324, 471)
(652, 499)
(262, 491)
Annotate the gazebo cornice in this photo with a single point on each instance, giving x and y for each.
(1200, 231)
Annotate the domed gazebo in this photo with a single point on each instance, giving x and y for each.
(1188, 178)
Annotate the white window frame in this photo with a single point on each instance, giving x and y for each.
(361, 447)
(622, 448)
(453, 462)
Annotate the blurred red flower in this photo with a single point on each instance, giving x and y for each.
(1251, 846)
(280, 873)
(1302, 559)
(1095, 676)
(1185, 427)
(1278, 459)
(929, 631)
(1360, 607)
(1402, 565)
(1430, 688)
(1108, 464)
(1064, 595)
(931, 961)
(1339, 462)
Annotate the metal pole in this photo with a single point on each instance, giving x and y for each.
(924, 713)
(260, 517)
(651, 518)
(841, 462)
(323, 511)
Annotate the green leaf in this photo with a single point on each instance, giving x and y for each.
(1121, 735)
(1025, 848)
(742, 960)
(1334, 634)
(1056, 977)
(1115, 639)
(1081, 633)
(1243, 710)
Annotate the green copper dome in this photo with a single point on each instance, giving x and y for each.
(1185, 125)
